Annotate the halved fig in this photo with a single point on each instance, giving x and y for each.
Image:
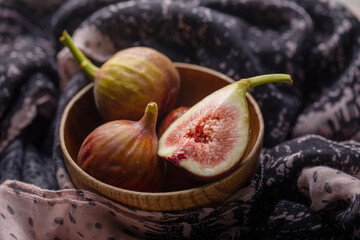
(170, 118)
(210, 139)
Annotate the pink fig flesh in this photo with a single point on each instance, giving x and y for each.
(210, 139)
(170, 118)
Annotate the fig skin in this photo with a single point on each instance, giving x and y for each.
(170, 118)
(129, 80)
(123, 153)
(177, 179)
(210, 139)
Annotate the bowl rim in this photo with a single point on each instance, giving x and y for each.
(73, 164)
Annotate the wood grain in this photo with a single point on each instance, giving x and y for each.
(81, 117)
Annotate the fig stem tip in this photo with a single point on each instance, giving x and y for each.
(65, 35)
(84, 63)
(152, 107)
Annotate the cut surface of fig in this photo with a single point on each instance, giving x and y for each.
(211, 138)
(170, 118)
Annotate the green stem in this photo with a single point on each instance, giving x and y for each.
(84, 63)
(150, 117)
(262, 79)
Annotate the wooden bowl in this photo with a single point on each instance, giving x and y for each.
(81, 117)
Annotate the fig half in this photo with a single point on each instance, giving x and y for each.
(210, 139)
(170, 118)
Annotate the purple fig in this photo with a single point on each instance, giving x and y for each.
(123, 153)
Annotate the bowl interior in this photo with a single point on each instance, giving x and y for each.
(81, 117)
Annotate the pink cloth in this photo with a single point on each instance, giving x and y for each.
(28, 212)
(325, 186)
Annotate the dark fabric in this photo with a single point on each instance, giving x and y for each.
(313, 123)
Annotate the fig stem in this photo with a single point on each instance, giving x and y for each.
(84, 63)
(268, 78)
(150, 117)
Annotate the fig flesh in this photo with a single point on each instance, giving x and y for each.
(123, 153)
(129, 80)
(170, 118)
(211, 138)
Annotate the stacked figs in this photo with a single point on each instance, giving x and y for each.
(131, 90)
(136, 89)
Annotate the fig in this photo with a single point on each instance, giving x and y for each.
(170, 118)
(178, 179)
(123, 153)
(129, 80)
(210, 139)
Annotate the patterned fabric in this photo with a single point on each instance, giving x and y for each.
(307, 184)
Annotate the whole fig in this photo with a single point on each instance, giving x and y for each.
(123, 153)
(129, 80)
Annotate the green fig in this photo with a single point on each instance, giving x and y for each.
(123, 153)
(211, 138)
(129, 80)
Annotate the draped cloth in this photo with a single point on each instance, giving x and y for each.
(307, 183)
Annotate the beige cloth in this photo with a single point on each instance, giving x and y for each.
(28, 212)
